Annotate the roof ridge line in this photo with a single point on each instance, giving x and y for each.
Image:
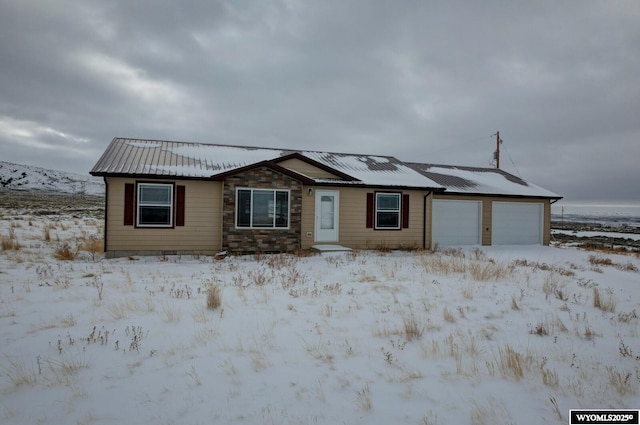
(301, 151)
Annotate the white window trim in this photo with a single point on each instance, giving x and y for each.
(399, 211)
(273, 227)
(138, 206)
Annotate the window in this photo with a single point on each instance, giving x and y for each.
(387, 211)
(262, 208)
(155, 205)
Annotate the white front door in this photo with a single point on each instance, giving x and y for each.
(327, 215)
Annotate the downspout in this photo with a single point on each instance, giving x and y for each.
(424, 220)
(550, 234)
(106, 203)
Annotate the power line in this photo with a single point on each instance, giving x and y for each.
(496, 153)
(511, 159)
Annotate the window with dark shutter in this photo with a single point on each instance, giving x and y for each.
(155, 205)
(387, 211)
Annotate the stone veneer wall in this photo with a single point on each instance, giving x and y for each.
(261, 240)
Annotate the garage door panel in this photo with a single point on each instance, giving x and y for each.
(456, 222)
(516, 223)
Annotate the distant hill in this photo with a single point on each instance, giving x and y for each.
(28, 178)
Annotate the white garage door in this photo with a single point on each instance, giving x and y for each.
(516, 223)
(456, 222)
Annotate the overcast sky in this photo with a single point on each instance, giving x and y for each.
(423, 81)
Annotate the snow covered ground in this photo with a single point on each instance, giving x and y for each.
(487, 335)
(590, 234)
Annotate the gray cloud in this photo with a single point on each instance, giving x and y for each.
(422, 81)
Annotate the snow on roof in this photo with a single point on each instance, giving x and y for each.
(165, 158)
(475, 180)
(373, 170)
(224, 158)
(198, 160)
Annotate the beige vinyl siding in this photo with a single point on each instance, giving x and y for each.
(307, 227)
(306, 169)
(200, 234)
(352, 225)
(487, 202)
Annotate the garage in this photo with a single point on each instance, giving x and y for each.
(516, 223)
(456, 222)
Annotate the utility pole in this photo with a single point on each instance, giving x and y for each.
(496, 154)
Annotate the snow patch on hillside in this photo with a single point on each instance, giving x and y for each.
(27, 178)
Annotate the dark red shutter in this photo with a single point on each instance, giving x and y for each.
(405, 211)
(180, 194)
(370, 210)
(129, 202)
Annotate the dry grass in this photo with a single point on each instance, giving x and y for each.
(9, 244)
(260, 277)
(69, 321)
(467, 292)
(448, 315)
(214, 297)
(514, 304)
(549, 377)
(320, 351)
(200, 315)
(627, 317)
(429, 419)
(552, 286)
(627, 267)
(598, 260)
(119, 309)
(624, 383)
(19, 373)
(557, 410)
(441, 264)
(556, 268)
(492, 414)
(513, 364)
(363, 398)
(170, 313)
(489, 270)
(280, 261)
(605, 302)
(413, 329)
(65, 252)
(64, 370)
(93, 245)
(541, 329)
(479, 268)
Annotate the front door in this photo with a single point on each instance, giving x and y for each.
(327, 215)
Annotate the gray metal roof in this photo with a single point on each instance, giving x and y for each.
(161, 158)
(476, 180)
